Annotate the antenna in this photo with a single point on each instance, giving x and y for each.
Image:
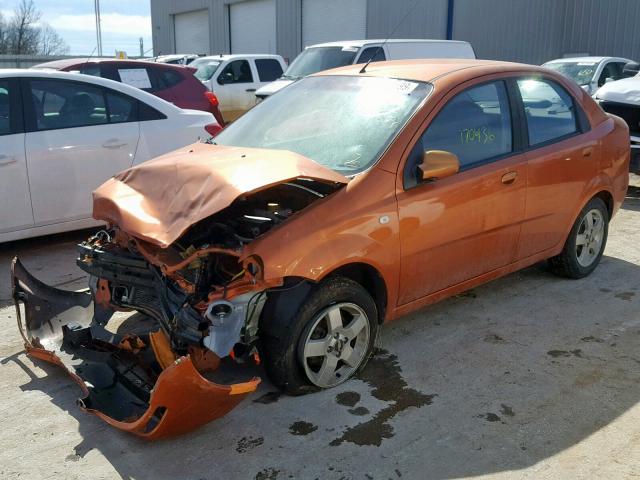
(89, 57)
(364, 68)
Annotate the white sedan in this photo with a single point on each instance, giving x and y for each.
(64, 134)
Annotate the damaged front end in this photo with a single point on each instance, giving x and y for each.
(135, 382)
(199, 299)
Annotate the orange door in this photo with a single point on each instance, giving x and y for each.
(462, 226)
(561, 159)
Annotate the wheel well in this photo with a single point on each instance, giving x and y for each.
(607, 198)
(371, 280)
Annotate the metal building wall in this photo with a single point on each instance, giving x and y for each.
(427, 19)
(530, 31)
(603, 27)
(162, 12)
(513, 30)
(289, 28)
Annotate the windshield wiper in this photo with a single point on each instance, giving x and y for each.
(290, 77)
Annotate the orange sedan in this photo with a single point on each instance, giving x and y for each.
(348, 199)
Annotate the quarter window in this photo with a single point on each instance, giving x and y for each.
(269, 69)
(475, 125)
(168, 78)
(549, 110)
(237, 71)
(121, 108)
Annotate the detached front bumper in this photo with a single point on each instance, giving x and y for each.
(121, 376)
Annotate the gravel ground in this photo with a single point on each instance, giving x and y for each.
(530, 376)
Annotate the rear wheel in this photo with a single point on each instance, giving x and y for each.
(586, 242)
(327, 341)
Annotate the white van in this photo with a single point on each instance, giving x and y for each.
(235, 78)
(324, 56)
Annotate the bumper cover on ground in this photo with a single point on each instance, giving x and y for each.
(119, 375)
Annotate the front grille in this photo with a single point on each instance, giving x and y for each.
(629, 113)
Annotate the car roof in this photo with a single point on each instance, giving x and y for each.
(587, 59)
(68, 62)
(237, 55)
(360, 43)
(428, 70)
(149, 99)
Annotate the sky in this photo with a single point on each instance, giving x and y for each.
(123, 23)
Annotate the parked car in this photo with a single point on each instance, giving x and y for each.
(343, 202)
(176, 59)
(325, 56)
(67, 133)
(622, 98)
(173, 83)
(590, 72)
(235, 78)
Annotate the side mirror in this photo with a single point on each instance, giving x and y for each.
(220, 80)
(438, 164)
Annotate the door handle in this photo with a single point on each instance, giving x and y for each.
(587, 152)
(509, 178)
(112, 144)
(6, 160)
(250, 90)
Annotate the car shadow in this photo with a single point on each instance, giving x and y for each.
(632, 200)
(508, 375)
(51, 258)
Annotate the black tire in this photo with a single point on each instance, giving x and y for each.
(283, 329)
(566, 264)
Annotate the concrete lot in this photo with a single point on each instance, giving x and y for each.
(530, 376)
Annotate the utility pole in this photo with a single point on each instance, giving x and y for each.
(96, 4)
(141, 47)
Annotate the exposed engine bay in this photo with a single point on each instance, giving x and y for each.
(200, 297)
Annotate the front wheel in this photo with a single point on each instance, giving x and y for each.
(327, 341)
(586, 242)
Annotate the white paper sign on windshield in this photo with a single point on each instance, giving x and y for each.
(136, 77)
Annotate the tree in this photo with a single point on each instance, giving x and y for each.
(23, 30)
(24, 34)
(50, 42)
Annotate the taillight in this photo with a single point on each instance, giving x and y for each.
(213, 100)
(213, 129)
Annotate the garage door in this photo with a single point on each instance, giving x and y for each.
(253, 26)
(332, 20)
(191, 31)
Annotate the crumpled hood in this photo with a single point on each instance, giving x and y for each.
(159, 200)
(622, 91)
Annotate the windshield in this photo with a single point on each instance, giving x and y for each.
(341, 122)
(316, 59)
(206, 68)
(580, 72)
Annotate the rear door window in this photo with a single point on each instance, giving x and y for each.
(138, 77)
(269, 69)
(549, 110)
